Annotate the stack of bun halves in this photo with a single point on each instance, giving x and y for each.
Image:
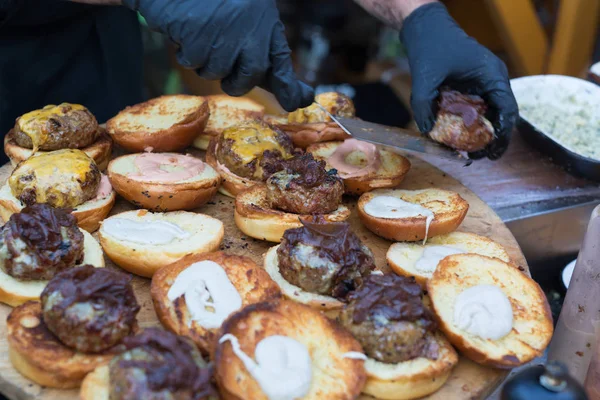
(317, 319)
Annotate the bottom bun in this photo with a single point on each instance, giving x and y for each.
(532, 320)
(96, 385)
(250, 281)
(333, 375)
(88, 214)
(39, 356)
(15, 292)
(294, 292)
(144, 259)
(255, 218)
(410, 379)
(403, 257)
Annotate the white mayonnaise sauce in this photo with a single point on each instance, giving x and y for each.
(283, 368)
(354, 355)
(209, 295)
(432, 255)
(143, 232)
(395, 208)
(484, 311)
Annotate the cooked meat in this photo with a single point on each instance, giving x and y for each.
(387, 316)
(159, 365)
(66, 126)
(324, 258)
(461, 123)
(336, 103)
(40, 242)
(90, 309)
(62, 179)
(242, 148)
(303, 186)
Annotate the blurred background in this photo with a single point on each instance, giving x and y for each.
(338, 46)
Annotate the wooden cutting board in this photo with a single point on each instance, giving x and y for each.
(468, 380)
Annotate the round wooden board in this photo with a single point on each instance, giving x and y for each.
(468, 380)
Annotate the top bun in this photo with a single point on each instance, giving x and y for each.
(166, 123)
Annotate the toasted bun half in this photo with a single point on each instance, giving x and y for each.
(304, 135)
(226, 111)
(144, 259)
(100, 150)
(96, 384)
(532, 320)
(231, 184)
(88, 214)
(39, 356)
(410, 379)
(166, 123)
(162, 196)
(403, 257)
(448, 207)
(255, 218)
(15, 292)
(325, 341)
(294, 292)
(252, 283)
(390, 173)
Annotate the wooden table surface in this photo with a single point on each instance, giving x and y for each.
(468, 380)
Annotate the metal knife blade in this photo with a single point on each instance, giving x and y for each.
(395, 137)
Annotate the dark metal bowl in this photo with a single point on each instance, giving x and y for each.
(573, 162)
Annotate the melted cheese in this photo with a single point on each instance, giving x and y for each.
(251, 140)
(56, 173)
(335, 103)
(33, 124)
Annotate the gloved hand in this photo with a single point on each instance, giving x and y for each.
(240, 42)
(441, 53)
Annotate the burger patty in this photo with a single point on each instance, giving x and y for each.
(303, 186)
(387, 316)
(324, 258)
(159, 365)
(461, 122)
(90, 309)
(40, 242)
(62, 179)
(261, 146)
(57, 127)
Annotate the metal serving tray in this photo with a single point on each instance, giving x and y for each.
(557, 89)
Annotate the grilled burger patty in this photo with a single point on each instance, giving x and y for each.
(90, 309)
(248, 149)
(40, 242)
(62, 179)
(387, 316)
(303, 186)
(324, 258)
(66, 126)
(159, 365)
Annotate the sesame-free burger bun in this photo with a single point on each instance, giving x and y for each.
(157, 195)
(166, 123)
(199, 234)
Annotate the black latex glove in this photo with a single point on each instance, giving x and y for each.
(240, 42)
(441, 53)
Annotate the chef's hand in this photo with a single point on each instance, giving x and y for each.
(240, 42)
(441, 53)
